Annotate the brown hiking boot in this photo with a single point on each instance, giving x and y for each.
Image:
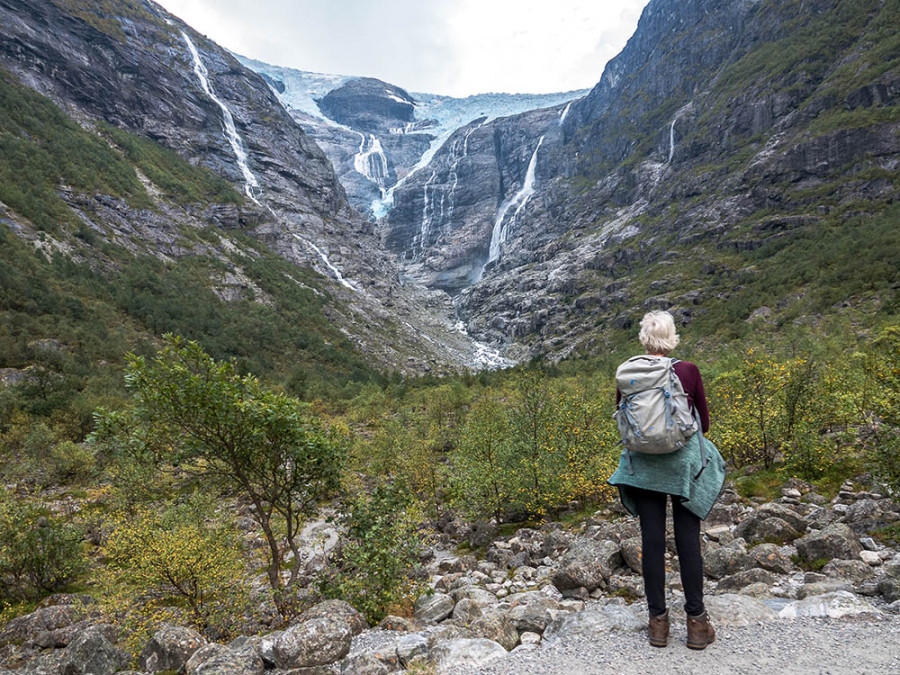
(659, 630)
(700, 631)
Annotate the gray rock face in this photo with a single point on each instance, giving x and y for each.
(835, 605)
(736, 610)
(369, 105)
(170, 648)
(587, 564)
(834, 541)
(90, 653)
(215, 659)
(436, 607)
(466, 653)
(316, 642)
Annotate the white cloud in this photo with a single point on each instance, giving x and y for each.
(456, 47)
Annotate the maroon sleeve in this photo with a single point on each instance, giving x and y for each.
(689, 374)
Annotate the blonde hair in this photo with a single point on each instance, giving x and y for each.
(658, 334)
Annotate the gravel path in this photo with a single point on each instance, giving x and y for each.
(798, 647)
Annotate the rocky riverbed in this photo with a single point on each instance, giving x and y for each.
(797, 581)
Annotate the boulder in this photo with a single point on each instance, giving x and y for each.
(822, 588)
(497, 627)
(61, 637)
(532, 611)
(90, 653)
(433, 608)
(730, 609)
(587, 563)
(889, 589)
(466, 653)
(379, 659)
(835, 605)
(742, 579)
(725, 561)
(337, 609)
(216, 659)
(476, 594)
(465, 612)
(316, 642)
(170, 648)
(44, 619)
(592, 621)
(762, 527)
(834, 541)
(410, 647)
(632, 553)
(483, 534)
(855, 571)
(771, 557)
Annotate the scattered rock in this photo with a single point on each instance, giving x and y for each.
(737, 610)
(592, 621)
(834, 541)
(90, 653)
(170, 648)
(316, 642)
(337, 609)
(770, 557)
(433, 608)
(745, 578)
(216, 659)
(497, 627)
(835, 605)
(726, 560)
(588, 563)
(465, 653)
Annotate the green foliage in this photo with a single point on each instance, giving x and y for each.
(38, 553)
(181, 557)
(380, 552)
(176, 177)
(41, 149)
(268, 447)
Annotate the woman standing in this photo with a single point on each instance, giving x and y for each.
(691, 476)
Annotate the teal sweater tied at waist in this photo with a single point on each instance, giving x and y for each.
(674, 473)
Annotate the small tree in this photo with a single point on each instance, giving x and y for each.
(379, 552)
(38, 553)
(481, 467)
(190, 408)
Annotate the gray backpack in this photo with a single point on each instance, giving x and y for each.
(654, 416)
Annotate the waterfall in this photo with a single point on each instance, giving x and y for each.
(562, 118)
(500, 232)
(237, 145)
(426, 218)
(370, 160)
(672, 140)
(334, 270)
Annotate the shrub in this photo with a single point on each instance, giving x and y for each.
(178, 558)
(38, 553)
(380, 551)
(192, 409)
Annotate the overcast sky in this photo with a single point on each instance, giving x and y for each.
(453, 47)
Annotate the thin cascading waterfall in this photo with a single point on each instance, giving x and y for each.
(454, 168)
(425, 228)
(562, 118)
(324, 258)
(501, 231)
(231, 134)
(671, 140)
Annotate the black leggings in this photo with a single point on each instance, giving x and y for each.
(651, 507)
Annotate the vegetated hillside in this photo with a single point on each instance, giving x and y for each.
(737, 164)
(150, 183)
